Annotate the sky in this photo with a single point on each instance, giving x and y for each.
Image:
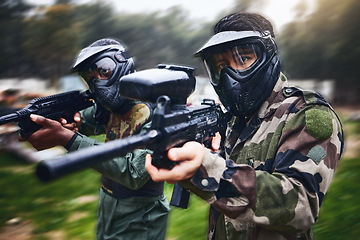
(278, 12)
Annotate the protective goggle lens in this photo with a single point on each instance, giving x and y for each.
(240, 58)
(102, 69)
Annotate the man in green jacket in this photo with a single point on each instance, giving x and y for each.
(131, 206)
(281, 148)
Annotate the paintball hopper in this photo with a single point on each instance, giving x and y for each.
(176, 82)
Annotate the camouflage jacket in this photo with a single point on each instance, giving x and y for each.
(128, 170)
(279, 166)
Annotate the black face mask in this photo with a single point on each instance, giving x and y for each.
(103, 75)
(244, 98)
(107, 92)
(243, 67)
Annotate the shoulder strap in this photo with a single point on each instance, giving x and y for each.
(310, 97)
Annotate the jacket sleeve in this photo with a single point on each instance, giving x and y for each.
(284, 193)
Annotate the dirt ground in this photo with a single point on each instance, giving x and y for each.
(17, 231)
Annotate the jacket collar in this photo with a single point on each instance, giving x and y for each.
(241, 129)
(275, 98)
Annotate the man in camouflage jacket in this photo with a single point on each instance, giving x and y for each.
(281, 148)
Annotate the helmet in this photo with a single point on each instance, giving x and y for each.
(101, 65)
(243, 67)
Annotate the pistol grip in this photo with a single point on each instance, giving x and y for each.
(160, 160)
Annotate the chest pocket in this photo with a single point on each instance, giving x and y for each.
(259, 154)
(250, 155)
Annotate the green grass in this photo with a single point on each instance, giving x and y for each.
(59, 207)
(48, 206)
(339, 215)
(190, 223)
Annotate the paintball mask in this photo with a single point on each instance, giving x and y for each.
(243, 67)
(101, 67)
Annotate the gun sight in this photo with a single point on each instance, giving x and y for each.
(177, 82)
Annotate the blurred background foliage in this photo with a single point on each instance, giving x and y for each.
(325, 45)
(43, 41)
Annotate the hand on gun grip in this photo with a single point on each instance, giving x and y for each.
(50, 135)
(74, 126)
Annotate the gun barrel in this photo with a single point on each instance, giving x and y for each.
(54, 168)
(12, 117)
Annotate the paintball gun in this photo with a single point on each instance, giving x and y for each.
(173, 124)
(62, 105)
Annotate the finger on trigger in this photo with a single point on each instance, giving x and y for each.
(77, 117)
(34, 117)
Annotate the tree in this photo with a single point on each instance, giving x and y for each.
(53, 39)
(155, 38)
(326, 45)
(11, 24)
(96, 20)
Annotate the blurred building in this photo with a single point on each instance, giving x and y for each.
(324, 87)
(71, 82)
(203, 90)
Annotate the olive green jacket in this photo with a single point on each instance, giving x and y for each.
(131, 217)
